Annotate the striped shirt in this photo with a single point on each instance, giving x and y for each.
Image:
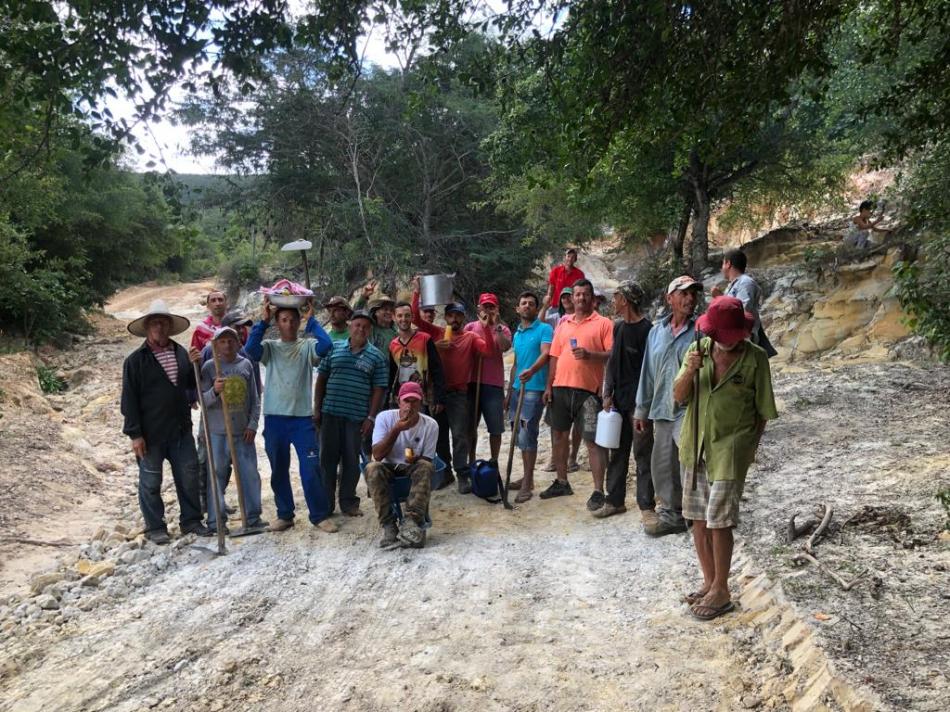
(351, 378)
(166, 357)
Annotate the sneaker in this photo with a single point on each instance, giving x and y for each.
(212, 531)
(200, 530)
(281, 525)
(557, 489)
(327, 525)
(158, 536)
(595, 501)
(609, 510)
(465, 484)
(388, 537)
(664, 527)
(411, 533)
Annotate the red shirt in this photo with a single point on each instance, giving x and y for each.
(459, 354)
(204, 332)
(560, 277)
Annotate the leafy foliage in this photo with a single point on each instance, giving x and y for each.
(50, 382)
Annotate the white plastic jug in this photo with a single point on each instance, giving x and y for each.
(609, 424)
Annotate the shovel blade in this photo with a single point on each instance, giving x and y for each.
(296, 245)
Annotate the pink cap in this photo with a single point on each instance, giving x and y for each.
(410, 391)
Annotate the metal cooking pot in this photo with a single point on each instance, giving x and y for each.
(436, 289)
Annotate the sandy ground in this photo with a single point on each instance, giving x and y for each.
(543, 608)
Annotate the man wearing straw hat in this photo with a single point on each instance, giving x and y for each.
(156, 380)
(235, 384)
(735, 401)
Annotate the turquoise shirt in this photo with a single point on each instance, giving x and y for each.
(527, 346)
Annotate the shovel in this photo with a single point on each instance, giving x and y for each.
(213, 474)
(515, 429)
(696, 380)
(302, 246)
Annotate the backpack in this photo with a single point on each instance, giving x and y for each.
(486, 480)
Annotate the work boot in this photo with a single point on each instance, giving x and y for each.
(327, 525)
(609, 510)
(649, 518)
(389, 534)
(664, 527)
(281, 525)
(412, 534)
(465, 484)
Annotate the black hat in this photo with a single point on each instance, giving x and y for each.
(361, 314)
(455, 307)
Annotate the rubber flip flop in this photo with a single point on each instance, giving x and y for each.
(715, 612)
(694, 597)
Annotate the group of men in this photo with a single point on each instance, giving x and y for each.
(569, 363)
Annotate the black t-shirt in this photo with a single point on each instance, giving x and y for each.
(626, 360)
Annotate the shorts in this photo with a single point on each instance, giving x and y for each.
(491, 406)
(573, 405)
(530, 425)
(717, 504)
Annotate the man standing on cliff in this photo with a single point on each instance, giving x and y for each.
(561, 276)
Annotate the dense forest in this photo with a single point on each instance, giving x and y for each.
(495, 139)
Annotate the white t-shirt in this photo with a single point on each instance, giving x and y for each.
(422, 437)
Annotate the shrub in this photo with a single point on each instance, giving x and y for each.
(49, 381)
(923, 290)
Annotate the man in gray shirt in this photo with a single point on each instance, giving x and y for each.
(234, 384)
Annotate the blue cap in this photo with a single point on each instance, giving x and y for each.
(455, 307)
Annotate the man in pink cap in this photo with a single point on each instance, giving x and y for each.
(404, 444)
(490, 401)
(735, 401)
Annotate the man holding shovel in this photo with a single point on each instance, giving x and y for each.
(719, 442)
(529, 374)
(229, 385)
(487, 387)
(156, 380)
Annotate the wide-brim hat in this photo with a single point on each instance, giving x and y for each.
(726, 321)
(136, 327)
(381, 301)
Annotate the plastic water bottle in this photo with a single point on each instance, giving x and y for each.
(609, 423)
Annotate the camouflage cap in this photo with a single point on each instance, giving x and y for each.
(631, 291)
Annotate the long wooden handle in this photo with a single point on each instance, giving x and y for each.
(515, 430)
(232, 447)
(696, 413)
(213, 474)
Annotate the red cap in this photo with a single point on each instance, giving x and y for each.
(410, 391)
(726, 321)
(488, 298)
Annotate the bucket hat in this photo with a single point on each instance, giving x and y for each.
(158, 307)
(726, 321)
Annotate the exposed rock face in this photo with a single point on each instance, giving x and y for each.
(851, 311)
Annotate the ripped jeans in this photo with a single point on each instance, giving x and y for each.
(280, 432)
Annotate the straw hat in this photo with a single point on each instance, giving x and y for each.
(136, 327)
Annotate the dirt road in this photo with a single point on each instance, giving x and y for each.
(543, 608)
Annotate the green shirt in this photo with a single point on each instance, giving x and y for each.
(728, 412)
(341, 335)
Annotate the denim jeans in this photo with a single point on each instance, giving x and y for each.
(179, 450)
(530, 424)
(340, 443)
(250, 477)
(642, 445)
(460, 421)
(280, 432)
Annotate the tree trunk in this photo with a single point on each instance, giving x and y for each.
(699, 248)
(680, 237)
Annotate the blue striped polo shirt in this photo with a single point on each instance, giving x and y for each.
(351, 378)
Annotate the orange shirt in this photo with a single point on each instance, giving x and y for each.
(595, 333)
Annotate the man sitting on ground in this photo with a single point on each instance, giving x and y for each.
(404, 442)
(735, 401)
